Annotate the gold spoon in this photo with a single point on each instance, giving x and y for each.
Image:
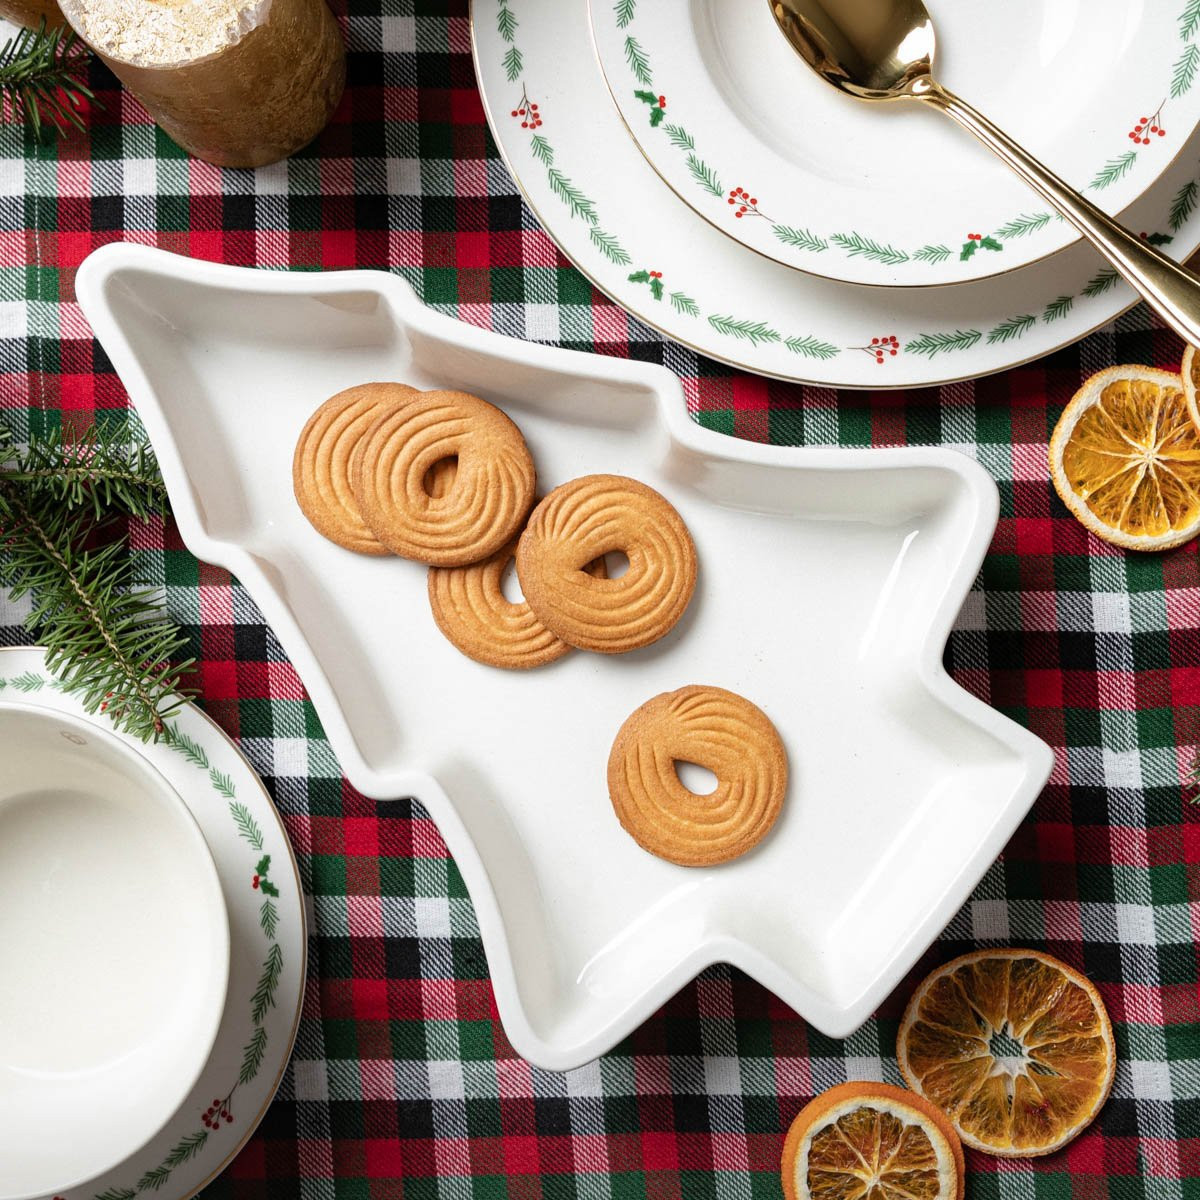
(884, 50)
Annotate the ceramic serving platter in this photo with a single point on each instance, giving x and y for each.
(828, 583)
(628, 231)
(751, 139)
(267, 937)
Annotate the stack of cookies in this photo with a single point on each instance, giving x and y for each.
(446, 479)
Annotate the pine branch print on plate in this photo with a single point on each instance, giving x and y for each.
(1014, 327)
(680, 137)
(188, 747)
(754, 332)
(684, 304)
(268, 918)
(248, 827)
(855, 245)
(513, 65)
(932, 344)
(542, 150)
(1100, 283)
(506, 23)
(624, 10)
(1024, 225)
(1189, 21)
(222, 782)
(1184, 74)
(1114, 169)
(638, 60)
(1184, 203)
(811, 347)
(705, 176)
(1057, 309)
(252, 1055)
(268, 982)
(572, 197)
(803, 239)
(609, 246)
(933, 254)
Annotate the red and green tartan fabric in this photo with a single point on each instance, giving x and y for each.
(402, 1082)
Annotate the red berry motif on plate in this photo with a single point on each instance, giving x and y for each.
(1148, 127)
(881, 348)
(978, 241)
(260, 882)
(658, 106)
(653, 278)
(527, 112)
(217, 1112)
(746, 204)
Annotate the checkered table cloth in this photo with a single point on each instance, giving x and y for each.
(403, 1083)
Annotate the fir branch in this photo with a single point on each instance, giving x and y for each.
(609, 246)
(40, 77)
(933, 344)
(542, 150)
(248, 827)
(268, 918)
(571, 196)
(1057, 309)
(683, 303)
(754, 332)
(1184, 74)
(933, 254)
(110, 644)
(506, 23)
(1014, 327)
(90, 469)
(811, 347)
(252, 1055)
(1184, 204)
(513, 64)
(183, 1150)
(1189, 22)
(680, 137)
(268, 982)
(624, 10)
(222, 783)
(856, 245)
(638, 60)
(803, 239)
(1114, 169)
(188, 747)
(1100, 283)
(1024, 225)
(705, 176)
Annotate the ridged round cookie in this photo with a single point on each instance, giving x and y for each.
(493, 484)
(582, 521)
(471, 609)
(713, 728)
(321, 465)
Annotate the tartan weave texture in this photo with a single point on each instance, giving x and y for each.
(403, 1083)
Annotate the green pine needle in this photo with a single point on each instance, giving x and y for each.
(110, 644)
(40, 77)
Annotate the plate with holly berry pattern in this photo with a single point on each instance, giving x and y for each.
(1104, 92)
(268, 944)
(615, 218)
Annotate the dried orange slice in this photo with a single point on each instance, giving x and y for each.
(1125, 458)
(871, 1141)
(1013, 1045)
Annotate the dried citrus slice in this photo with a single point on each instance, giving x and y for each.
(871, 1141)
(1013, 1045)
(1190, 370)
(1125, 458)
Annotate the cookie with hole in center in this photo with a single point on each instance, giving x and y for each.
(584, 520)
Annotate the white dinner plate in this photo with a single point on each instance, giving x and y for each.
(751, 138)
(828, 583)
(628, 232)
(268, 944)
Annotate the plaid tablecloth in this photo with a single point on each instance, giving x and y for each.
(402, 1082)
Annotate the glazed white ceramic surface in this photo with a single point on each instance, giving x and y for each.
(615, 218)
(888, 194)
(114, 951)
(266, 950)
(828, 583)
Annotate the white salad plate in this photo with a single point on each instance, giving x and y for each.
(829, 580)
(216, 1110)
(115, 948)
(630, 234)
(895, 194)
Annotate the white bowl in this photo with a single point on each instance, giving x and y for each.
(114, 952)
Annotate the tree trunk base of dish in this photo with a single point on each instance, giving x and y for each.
(242, 87)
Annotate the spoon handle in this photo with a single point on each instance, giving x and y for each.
(1172, 291)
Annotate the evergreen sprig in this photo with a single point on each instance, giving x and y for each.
(40, 77)
(110, 644)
